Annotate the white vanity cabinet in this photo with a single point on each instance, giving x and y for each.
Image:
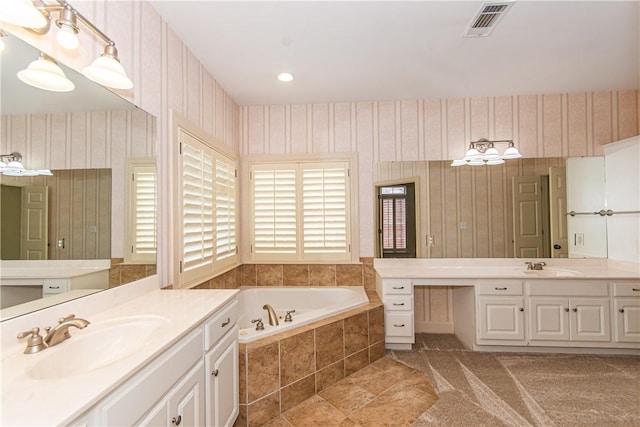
(500, 311)
(626, 312)
(397, 297)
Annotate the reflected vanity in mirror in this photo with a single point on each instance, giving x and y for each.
(100, 199)
(517, 209)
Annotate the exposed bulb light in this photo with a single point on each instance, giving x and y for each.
(44, 73)
(107, 70)
(22, 13)
(67, 35)
(285, 77)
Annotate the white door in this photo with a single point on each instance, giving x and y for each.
(558, 212)
(186, 402)
(590, 319)
(549, 319)
(501, 318)
(33, 227)
(528, 236)
(222, 382)
(627, 319)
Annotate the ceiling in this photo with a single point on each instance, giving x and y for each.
(360, 50)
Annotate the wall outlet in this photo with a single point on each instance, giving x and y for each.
(430, 240)
(579, 239)
(464, 225)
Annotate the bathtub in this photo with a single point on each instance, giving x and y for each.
(310, 304)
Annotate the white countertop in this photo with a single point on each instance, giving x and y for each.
(27, 401)
(51, 269)
(504, 268)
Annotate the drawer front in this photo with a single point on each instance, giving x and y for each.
(55, 286)
(626, 289)
(398, 324)
(396, 287)
(499, 288)
(220, 324)
(568, 288)
(398, 303)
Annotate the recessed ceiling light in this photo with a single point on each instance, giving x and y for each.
(285, 77)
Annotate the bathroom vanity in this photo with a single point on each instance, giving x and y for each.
(499, 305)
(164, 358)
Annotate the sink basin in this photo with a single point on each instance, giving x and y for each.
(554, 272)
(97, 346)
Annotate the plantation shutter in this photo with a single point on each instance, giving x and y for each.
(197, 207)
(143, 231)
(225, 208)
(274, 211)
(325, 210)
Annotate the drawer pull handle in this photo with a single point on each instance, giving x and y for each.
(521, 309)
(635, 289)
(575, 310)
(566, 309)
(621, 310)
(398, 326)
(54, 287)
(176, 420)
(214, 373)
(398, 287)
(500, 289)
(398, 303)
(227, 322)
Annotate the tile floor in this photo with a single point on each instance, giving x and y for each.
(383, 393)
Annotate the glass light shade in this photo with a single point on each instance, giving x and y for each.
(45, 74)
(493, 162)
(472, 154)
(511, 153)
(491, 153)
(22, 13)
(458, 163)
(67, 37)
(108, 71)
(15, 165)
(46, 172)
(476, 162)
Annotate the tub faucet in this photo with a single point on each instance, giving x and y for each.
(535, 266)
(60, 332)
(273, 317)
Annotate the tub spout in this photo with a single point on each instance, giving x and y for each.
(273, 318)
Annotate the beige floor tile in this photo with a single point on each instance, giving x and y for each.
(314, 411)
(371, 379)
(347, 397)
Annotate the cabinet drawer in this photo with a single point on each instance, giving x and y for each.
(568, 288)
(398, 303)
(220, 324)
(398, 324)
(499, 288)
(626, 289)
(55, 286)
(400, 287)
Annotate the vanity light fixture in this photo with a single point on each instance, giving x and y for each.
(285, 77)
(483, 152)
(44, 73)
(11, 165)
(105, 70)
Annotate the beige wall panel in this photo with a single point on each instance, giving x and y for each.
(207, 103)
(100, 143)
(320, 127)
(219, 119)
(175, 77)
(343, 127)
(527, 125)
(450, 232)
(577, 114)
(481, 224)
(299, 128)
(433, 129)
(256, 130)
(601, 120)
(148, 49)
(409, 142)
(627, 114)
(386, 131)
(465, 211)
(455, 142)
(479, 118)
(193, 89)
(59, 139)
(552, 125)
(438, 305)
(276, 131)
(503, 117)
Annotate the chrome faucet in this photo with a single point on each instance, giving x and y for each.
(535, 266)
(60, 332)
(273, 317)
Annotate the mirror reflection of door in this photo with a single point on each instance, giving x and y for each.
(557, 212)
(24, 213)
(397, 221)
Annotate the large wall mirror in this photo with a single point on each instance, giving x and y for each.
(517, 209)
(96, 144)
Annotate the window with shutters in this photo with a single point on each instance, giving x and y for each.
(207, 210)
(397, 222)
(142, 200)
(301, 211)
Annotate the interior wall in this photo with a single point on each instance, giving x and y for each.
(555, 125)
(10, 202)
(167, 78)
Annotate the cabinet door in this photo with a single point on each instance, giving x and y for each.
(549, 319)
(158, 416)
(501, 318)
(590, 319)
(222, 383)
(186, 400)
(627, 319)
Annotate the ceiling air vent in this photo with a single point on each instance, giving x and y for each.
(486, 19)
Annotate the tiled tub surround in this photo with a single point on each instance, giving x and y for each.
(304, 304)
(280, 371)
(122, 273)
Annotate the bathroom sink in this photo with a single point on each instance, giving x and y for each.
(554, 272)
(97, 346)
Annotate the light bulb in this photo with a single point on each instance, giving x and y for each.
(67, 37)
(285, 77)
